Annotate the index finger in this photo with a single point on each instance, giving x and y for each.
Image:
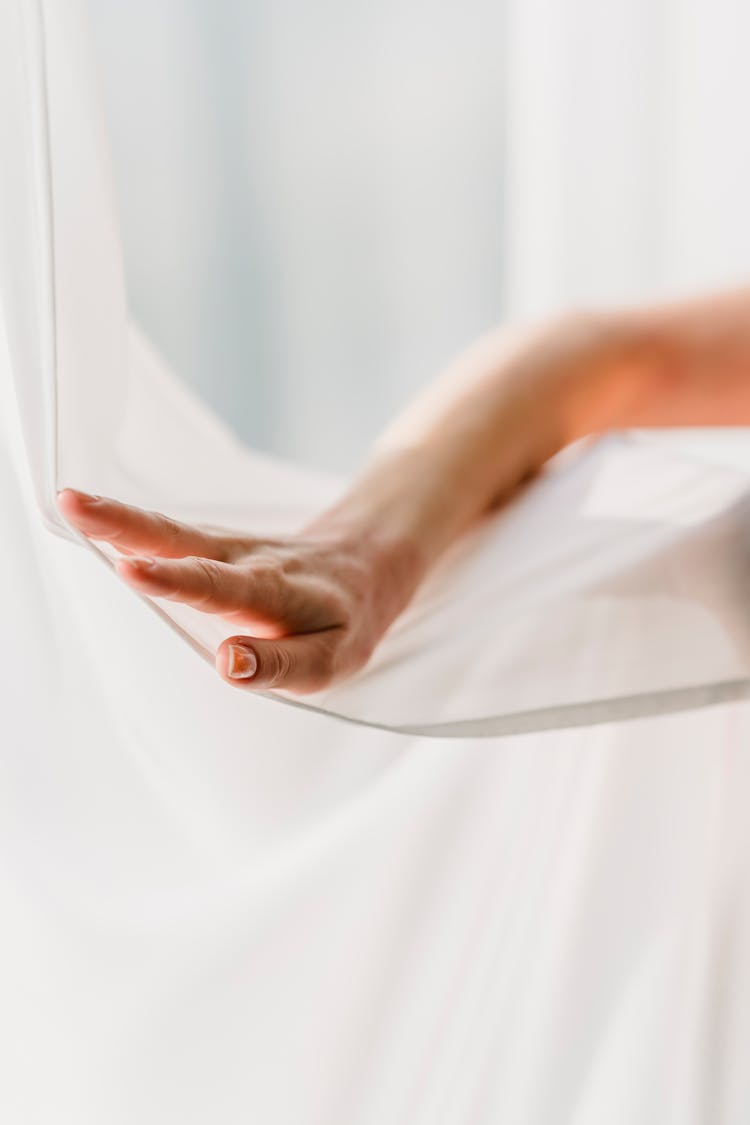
(132, 529)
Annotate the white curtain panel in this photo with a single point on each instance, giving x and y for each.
(219, 907)
(311, 199)
(623, 540)
(628, 171)
(321, 204)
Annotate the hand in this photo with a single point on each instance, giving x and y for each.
(314, 605)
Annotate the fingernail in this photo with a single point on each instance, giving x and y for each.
(82, 497)
(243, 662)
(141, 564)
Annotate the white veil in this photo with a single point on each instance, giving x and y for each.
(616, 587)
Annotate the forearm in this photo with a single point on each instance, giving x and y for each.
(514, 400)
(495, 416)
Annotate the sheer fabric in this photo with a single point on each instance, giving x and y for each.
(217, 908)
(626, 541)
(219, 912)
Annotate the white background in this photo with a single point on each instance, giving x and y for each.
(322, 202)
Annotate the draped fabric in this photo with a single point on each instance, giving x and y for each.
(321, 204)
(221, 907)
(623, 538)
(310, 200)
(626, 174)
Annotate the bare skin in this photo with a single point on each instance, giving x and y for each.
(310, 609)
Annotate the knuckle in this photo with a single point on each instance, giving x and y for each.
(210, 577)
(265, 572)
(170, 527)
(262, 558)
(269, 587)
(280, 666)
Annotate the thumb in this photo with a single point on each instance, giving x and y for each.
(302, 663)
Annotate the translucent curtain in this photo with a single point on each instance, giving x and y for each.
(612, 590)
(217, 908)
(311, 199)
(627, 175)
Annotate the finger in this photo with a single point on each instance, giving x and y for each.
(304, 663)
(138, 531)
(213, 586)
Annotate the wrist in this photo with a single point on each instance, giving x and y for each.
(377, 524)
